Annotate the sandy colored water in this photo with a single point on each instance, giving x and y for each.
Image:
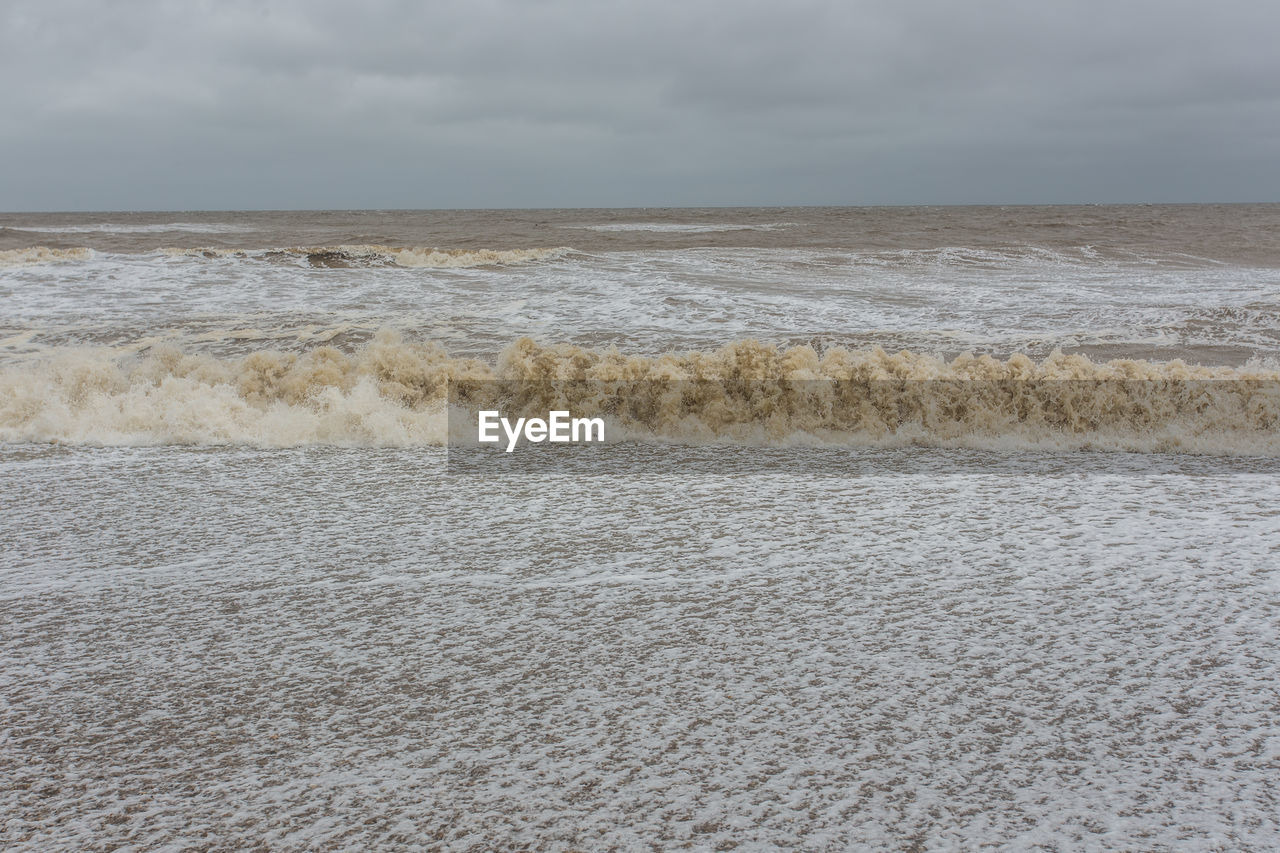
(245, 602)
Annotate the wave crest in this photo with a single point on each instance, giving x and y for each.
(374, 255)
(42, 255)
(394, 393)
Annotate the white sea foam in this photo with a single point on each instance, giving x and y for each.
(945, 301)
(345, 649)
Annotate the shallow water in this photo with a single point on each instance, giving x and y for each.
(323, 647)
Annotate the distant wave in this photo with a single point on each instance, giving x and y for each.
(977, 258)
(372, 255)
(683, 228)
(396, 393)
(42, 255)
(127, 228)
(358, 255)
(967, 259)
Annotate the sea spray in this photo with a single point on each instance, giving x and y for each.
(394, 392)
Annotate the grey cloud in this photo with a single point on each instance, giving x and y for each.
(562, 102)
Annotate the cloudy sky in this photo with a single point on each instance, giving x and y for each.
(144, 104)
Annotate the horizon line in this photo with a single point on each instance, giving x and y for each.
(88, 211)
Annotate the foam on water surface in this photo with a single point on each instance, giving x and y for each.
(289, 620)
(321, 647)
(1002, 300)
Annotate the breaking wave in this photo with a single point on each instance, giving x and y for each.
(42, 255)
(397, 393)
(362, 255)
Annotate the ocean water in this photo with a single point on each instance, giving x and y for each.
(1030, 598)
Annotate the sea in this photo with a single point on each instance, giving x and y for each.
(919, 528)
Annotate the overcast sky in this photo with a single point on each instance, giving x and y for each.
(143, 104)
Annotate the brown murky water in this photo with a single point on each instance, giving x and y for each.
(244, 601)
